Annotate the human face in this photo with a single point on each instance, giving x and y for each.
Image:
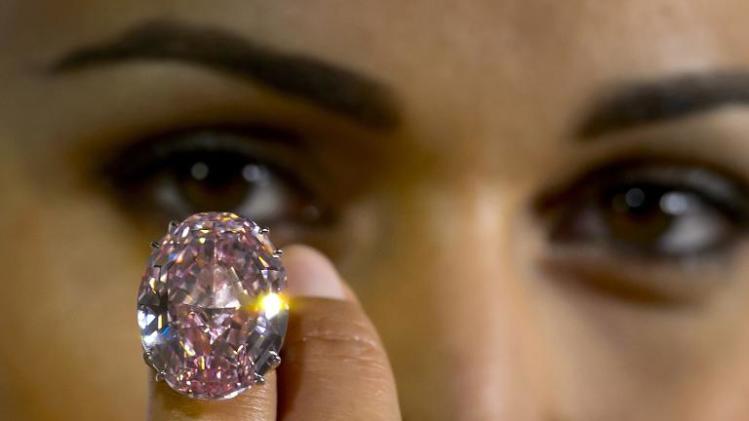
(542, 205)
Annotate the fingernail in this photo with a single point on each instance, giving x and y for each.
(310, 274)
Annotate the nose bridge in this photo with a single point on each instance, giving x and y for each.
(485, 305)
(465, 280)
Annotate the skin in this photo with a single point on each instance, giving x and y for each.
(481, 313)
(333, 359)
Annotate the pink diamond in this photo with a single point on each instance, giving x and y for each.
(211, 309)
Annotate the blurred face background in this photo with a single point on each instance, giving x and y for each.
(542, 205)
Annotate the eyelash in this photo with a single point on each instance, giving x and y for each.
(712, 194)
(136, 169)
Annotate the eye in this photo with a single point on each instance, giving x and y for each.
(242, 171)
(656, 210)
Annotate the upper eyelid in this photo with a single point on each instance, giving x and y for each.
(722, 186)
(250, 141)
(282, 151)
(720, 190)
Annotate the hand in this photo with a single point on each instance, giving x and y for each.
(334, 366)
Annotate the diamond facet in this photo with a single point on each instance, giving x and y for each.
(211, 307)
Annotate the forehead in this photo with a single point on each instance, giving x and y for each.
(466, 68)
(458, 31)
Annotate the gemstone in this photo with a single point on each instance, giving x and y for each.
(211, 306)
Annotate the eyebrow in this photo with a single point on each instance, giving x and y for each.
(639, 103)
(330, 87)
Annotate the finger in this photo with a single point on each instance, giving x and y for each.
(256, 404)
(334, 365)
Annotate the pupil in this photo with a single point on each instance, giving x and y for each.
(199, 171)
(637, 201)
(634, 198)
(638, 217)
(221, 182)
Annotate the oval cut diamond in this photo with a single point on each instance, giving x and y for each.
(211, 309)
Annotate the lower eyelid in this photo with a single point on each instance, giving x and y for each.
(637, 281)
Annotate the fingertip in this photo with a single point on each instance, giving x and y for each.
(311, 274)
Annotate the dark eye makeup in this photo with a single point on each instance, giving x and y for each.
(645, 207)
(651, 208)
(254, 171)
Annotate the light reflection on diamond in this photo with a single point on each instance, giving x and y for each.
(145, 319)
(272, 304)
(210, 309)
